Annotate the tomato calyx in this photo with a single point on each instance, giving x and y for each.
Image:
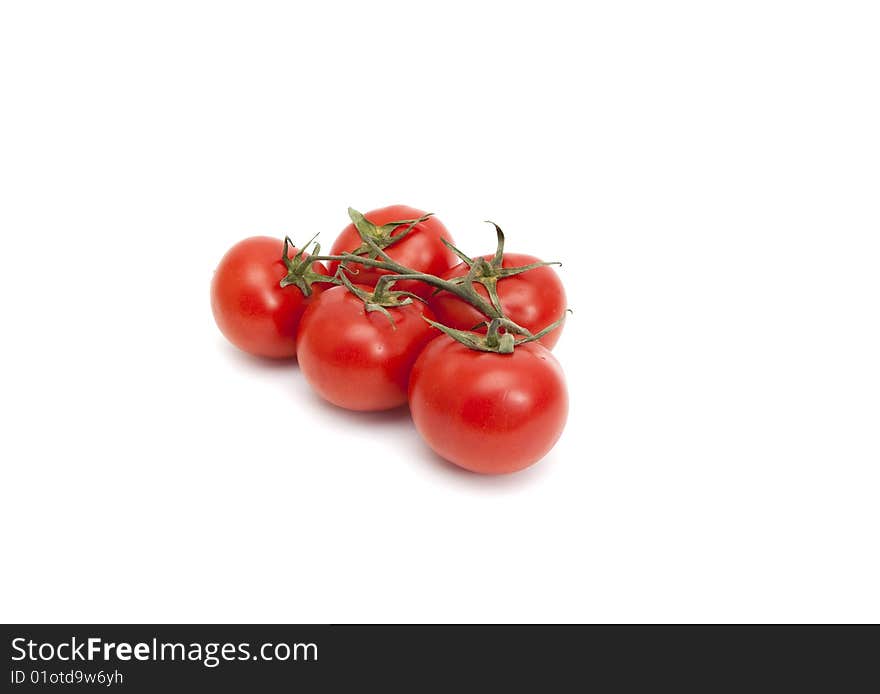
(299, 267)
(380, 236)
(489, 272)
(494, 340)
(382, 297)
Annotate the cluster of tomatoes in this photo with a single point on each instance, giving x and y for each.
(397, 315)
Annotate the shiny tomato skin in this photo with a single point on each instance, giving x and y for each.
(534, 299)
(357, 359)
(488, 413)
(421, 250)
(250, 307)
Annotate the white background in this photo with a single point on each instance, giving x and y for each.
(709, 173)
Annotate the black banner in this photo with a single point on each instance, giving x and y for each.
(142, 658)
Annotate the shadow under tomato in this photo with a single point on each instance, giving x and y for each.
(254, 362)
(396, 417)
(419, 453)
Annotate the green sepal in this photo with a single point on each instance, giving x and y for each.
(503, 344)
(373, 235)
(381, 298)
(495, 341)
(299, 267)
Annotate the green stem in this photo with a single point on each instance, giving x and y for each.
(464, 291)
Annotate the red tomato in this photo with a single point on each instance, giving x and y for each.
(250, 307)
(488, 413)
(534, 299)
(421, 250)
(358, 359)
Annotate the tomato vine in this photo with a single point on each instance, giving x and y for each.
(503, 334)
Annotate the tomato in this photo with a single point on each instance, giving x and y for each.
(486, 412)
(359, 359)
(533, 299)
(421, 250)
(251, 308)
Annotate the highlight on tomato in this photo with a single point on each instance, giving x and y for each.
(408, 235)
(251, 307)
(356, 348)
